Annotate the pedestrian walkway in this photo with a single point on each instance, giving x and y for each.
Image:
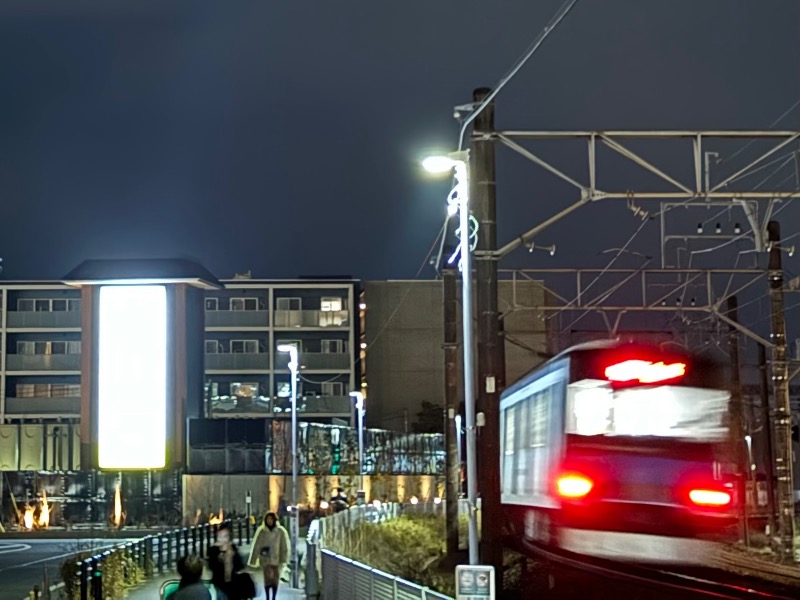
(149, 590)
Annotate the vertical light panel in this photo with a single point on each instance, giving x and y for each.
(132, 377)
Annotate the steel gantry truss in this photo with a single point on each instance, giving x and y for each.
(622, 291)
(675, 289)
(696, 189)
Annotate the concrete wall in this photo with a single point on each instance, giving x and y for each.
(404, 333)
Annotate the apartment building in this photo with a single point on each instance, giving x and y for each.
(246, 375)
(40, 364)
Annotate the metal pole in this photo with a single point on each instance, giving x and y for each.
(453, 455)
(462, 173)
(360, 401)
(783, 417)
(737, 416)
(295, 522)
(491, 359)
(766, 427)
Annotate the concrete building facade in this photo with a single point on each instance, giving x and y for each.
(403, 334)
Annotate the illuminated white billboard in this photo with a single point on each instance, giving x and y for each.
(132, 377)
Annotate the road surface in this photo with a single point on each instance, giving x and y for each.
(23, 562)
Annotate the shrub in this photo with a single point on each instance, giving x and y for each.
(409, 547)
(119, 570)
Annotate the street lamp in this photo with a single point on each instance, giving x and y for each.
(458, 201)
(360, 408)
(294, 365)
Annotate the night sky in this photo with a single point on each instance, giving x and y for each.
(283, 137)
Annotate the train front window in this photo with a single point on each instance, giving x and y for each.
(594, 408)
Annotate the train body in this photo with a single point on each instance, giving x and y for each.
(620, 451)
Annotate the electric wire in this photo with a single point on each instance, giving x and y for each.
(751, 142)
(529, 52)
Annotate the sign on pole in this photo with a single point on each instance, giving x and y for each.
(474, 582)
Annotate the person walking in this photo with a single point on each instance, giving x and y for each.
(227, 567)
(191, 586)
(270, 551)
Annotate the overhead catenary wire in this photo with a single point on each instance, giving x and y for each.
(773, 124)
(526, 56)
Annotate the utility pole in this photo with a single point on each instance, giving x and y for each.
(451, 373)
(737, 418)
(782, 423)
(491, 367)
(766, 427)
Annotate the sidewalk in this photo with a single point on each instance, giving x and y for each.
(149, 590)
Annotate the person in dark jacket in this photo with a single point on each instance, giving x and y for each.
(191, 586)
(227, 567)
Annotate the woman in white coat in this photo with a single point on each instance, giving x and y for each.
(270, 551)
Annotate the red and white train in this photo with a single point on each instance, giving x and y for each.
(620, 451)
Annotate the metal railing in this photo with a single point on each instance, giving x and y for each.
(346, 578)
(154, 554)
(336, 576)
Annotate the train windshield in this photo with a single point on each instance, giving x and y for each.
(595, 408)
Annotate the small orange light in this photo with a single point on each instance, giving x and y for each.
(709, 497)
(573, 485)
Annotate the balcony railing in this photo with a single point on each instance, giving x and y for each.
(312, 318)
(316, 405)
(237, 318)
(43, 362)
(43, 406)
(312, 361)
(43, 319)
(237, 362)
(341, 406)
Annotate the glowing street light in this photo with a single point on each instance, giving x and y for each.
(294, 365)
(360, 408)
(458, 201)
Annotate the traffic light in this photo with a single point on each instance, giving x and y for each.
(795, 433)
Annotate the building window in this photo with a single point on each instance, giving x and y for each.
(333, 346)
(43, 390)
(45, 348)
(212, 347)
(244, 304)
(48, 305)
(244, 346)
(245, 390)
(332, 388)
(212, 303)
(25, 305)
(331, 304)
(289, 303)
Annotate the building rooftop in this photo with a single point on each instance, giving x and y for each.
(164, 270)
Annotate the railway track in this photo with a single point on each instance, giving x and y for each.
(684, 583)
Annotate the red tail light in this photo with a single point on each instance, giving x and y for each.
(573, 485)
(714, 498)
(644, 371)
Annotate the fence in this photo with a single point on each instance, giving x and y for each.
(150, 555)
(346, 578)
